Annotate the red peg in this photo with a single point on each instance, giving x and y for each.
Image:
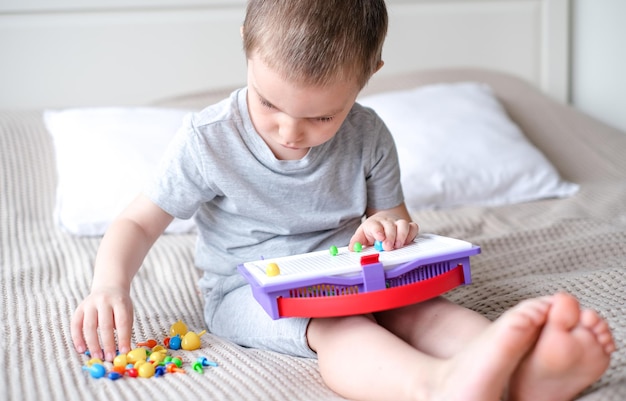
(148, 343)
(172, 368)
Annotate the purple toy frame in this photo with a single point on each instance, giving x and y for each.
(373, 279)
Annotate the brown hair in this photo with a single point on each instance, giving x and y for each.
(316, 42)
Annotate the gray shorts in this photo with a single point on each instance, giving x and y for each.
(238, 317)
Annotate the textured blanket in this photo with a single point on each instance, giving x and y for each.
(576, 245)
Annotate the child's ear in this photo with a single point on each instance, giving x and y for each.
(378, 67)
(241, 31)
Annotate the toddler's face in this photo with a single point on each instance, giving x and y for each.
(292, 118)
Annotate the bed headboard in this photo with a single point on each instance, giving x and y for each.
(66, 53)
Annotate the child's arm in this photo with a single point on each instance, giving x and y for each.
(108, 307)
(392, 226)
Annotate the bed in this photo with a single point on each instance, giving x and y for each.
(572, 241)
(575, 244)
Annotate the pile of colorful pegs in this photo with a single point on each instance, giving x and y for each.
(152, 360)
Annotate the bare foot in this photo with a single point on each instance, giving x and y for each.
(572, 352)
(483, 369)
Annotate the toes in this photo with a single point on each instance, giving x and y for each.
(599, 327)
(604, 337)
(608, 344)
(565, 312)
(590, 319)
(531, 311)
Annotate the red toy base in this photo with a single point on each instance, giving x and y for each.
(374, 301)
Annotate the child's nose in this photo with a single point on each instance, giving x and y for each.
(290, 130)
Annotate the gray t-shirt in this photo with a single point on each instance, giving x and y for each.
(249, 205)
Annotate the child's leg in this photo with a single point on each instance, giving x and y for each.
(572, 352)
(437, 327)
(360, 359)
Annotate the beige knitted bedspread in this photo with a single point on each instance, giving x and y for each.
(576, 245)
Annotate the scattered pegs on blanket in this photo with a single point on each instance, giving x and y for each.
(192, 341)
(201, 363)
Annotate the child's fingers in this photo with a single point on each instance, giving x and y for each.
(76, 329)
(393, 232)
(107, 332)
(123, 324)
(90, 333)
(402, 232)
(384, 230)
(375, 230)
(406, 232)
(414, 229)
(359, 236)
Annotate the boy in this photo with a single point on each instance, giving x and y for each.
(291, 164)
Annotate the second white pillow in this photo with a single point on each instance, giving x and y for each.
(457, 146)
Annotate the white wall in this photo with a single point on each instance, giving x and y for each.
(598, 83)
(58, 53)
(64, 53)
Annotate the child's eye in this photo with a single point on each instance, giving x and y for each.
(265, 103)
(325, 119)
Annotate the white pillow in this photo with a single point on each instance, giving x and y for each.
(457, 147)
(104, 157)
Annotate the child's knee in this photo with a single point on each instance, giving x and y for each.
(324, 329)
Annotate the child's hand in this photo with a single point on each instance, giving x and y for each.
(393, 227)
(108, 309)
